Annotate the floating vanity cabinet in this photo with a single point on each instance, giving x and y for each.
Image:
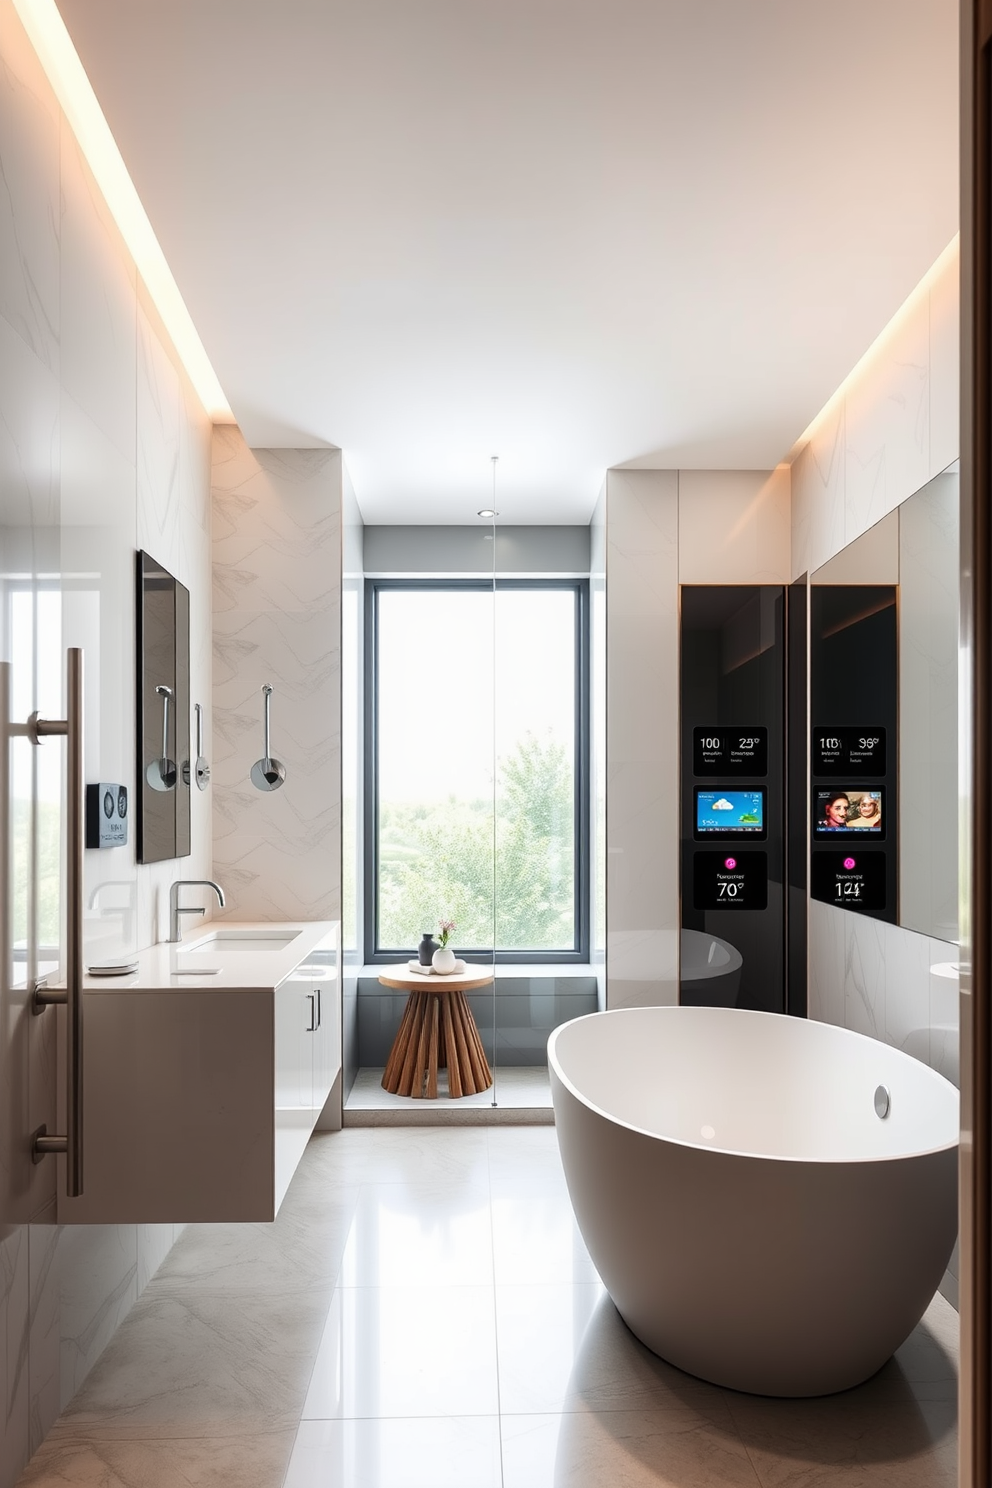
(205, 1073)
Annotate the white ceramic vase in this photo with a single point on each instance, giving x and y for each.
(443, 960)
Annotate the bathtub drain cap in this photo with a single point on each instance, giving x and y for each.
(881, 1102)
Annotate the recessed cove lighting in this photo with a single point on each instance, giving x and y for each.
(50, 39)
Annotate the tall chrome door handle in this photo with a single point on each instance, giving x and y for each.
(71, 1143)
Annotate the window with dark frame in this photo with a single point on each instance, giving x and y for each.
(477, 778)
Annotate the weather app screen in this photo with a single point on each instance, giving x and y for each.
(730, 813)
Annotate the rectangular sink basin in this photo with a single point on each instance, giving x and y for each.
(239, 943)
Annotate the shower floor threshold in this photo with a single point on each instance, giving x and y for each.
(522, 1096)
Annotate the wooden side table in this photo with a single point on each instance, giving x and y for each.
(437, 1030)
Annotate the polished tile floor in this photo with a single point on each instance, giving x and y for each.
(423, 1314)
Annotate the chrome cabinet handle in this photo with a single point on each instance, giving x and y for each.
(318, 1007)
(313, 1013)
(71, 1143)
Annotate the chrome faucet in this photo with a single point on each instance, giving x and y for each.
(175, 925)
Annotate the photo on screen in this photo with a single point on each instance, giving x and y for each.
(737, 814)
(856, 812)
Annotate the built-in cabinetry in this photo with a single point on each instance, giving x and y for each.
(205, 1074)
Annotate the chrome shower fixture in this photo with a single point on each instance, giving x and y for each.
(267, 774)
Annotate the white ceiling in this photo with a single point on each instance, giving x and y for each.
(573, 233)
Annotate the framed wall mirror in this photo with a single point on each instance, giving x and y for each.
(884, 674)
(162, 818)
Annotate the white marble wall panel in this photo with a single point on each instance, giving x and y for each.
(277, 608)
(945, 354)
(98, 1266)
(642, 869)
(800, 513)
(876, 979)
(44, 1342)
(196, 572)
(945, 1018)
(29, 436)
(887, 413)
(99, 309)
(826, 964)
(157, 472)
(153, 1243)
(823, 486)
(734, 526)
(29, 200)
(883, 435)
(15, 1291)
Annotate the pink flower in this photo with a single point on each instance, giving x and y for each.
(446, 928)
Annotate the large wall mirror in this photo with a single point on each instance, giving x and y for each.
(162, 828)
(884, 674)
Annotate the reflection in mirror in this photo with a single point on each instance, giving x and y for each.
(162, 818)
(928, 708)
(913, 554)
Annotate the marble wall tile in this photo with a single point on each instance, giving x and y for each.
(44, 1344)
(734, 526)
(826, 963)
(29, 200)
(945, 354)
(195, 571)
(154, 1241)
(945, 1017)
(29, 437)
(99, 1286)
(99, 312)
(800, 514)
(157, 464)
(906, 962)
(15, 1291)
(887, 415)
(823, 486)
(277, 618)
(642, 870)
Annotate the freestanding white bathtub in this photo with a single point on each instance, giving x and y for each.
(755, 1221)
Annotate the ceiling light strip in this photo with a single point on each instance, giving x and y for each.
(60, 60)
(906, 309)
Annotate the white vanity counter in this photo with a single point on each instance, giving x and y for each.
(226, 955)
(205, 1073)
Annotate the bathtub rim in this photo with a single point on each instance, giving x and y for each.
(554, 1066)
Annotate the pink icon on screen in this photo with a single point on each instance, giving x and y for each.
(730, 862)
(850, 863)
